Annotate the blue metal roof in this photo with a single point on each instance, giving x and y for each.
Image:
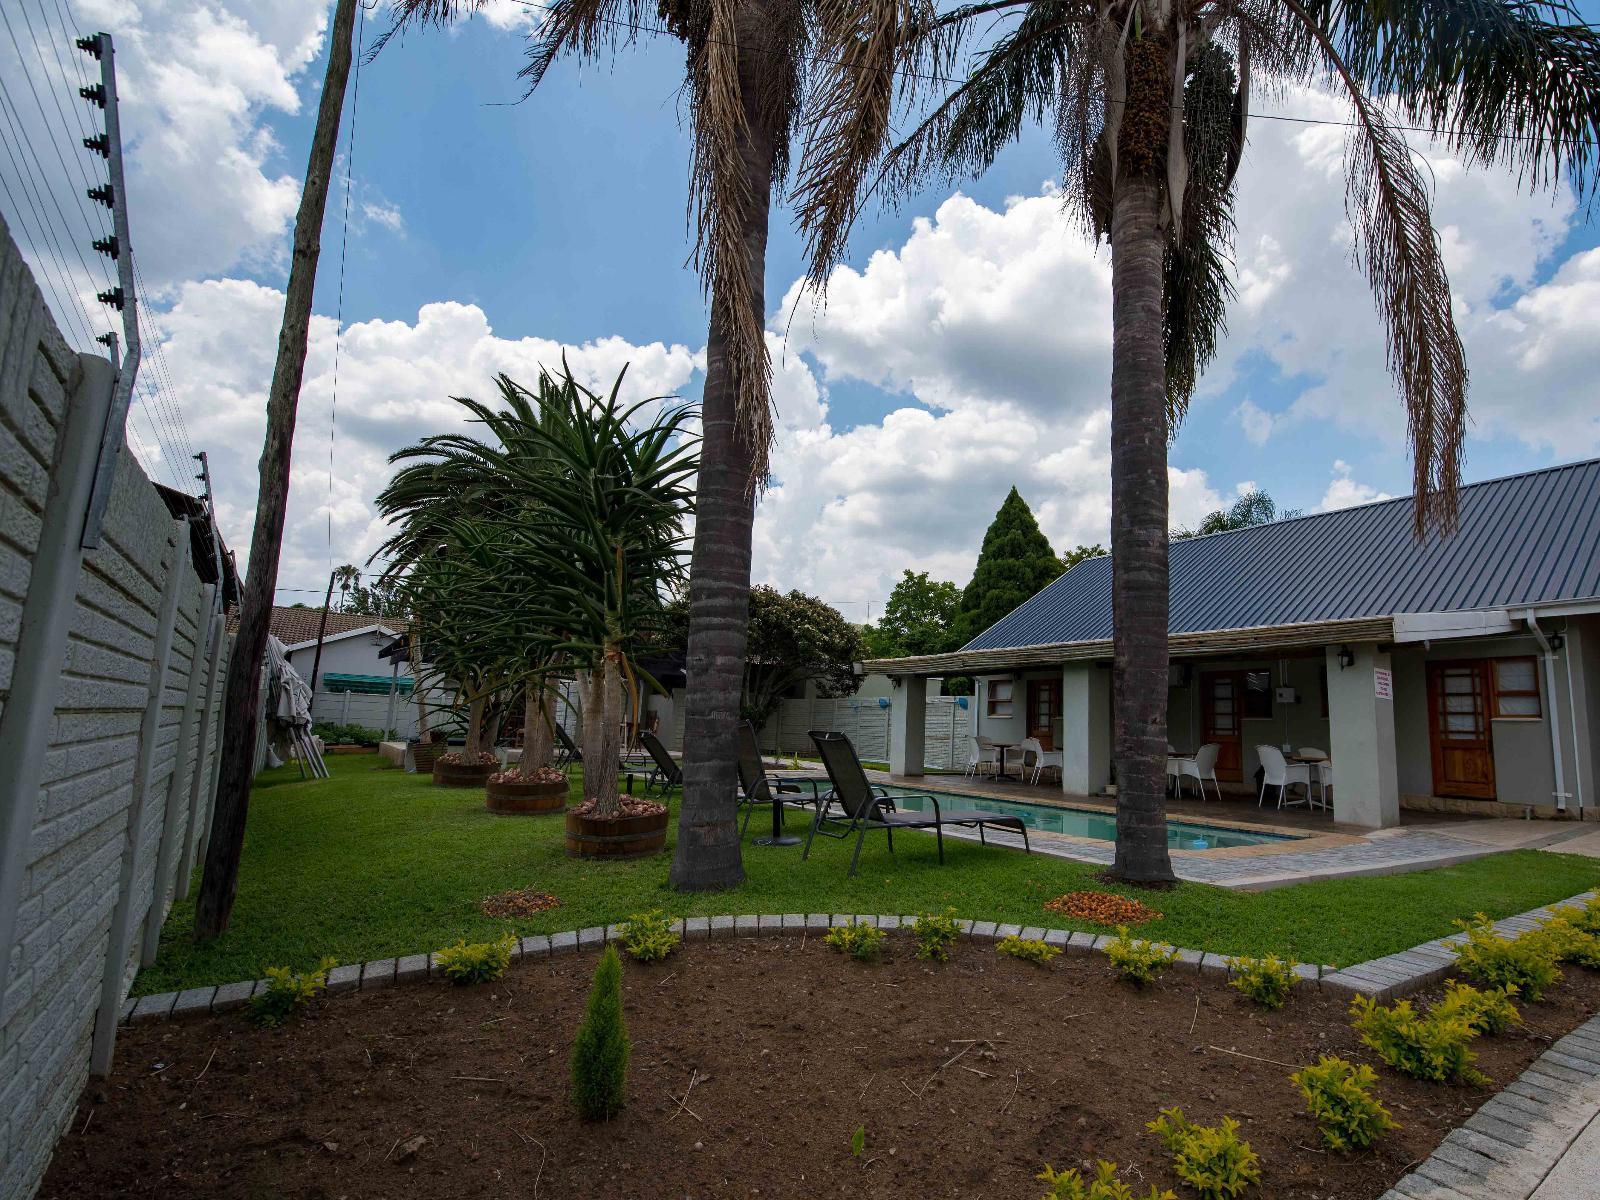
(1524, 539)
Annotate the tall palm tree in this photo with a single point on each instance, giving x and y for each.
(1150, 101)
(753, 86)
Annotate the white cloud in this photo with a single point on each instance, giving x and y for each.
(387, 215)
(395, 383)
(1343, 491)
(1257, 422)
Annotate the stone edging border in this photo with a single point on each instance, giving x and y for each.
(1381, 978)
(1509, 1147)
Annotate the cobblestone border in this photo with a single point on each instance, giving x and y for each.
(1508, 1148)
(1381, 978)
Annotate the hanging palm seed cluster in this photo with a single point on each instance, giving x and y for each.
(1142, 139)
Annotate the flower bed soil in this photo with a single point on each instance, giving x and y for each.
(967, 1076)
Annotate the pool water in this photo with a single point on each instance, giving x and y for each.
(1081, 822)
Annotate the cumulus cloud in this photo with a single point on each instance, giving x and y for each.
(384, 214)
(1343, 491)
(395, 380)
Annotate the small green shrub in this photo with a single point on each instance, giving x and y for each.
(1567, 941)
(861, 942)
(1028, 949)
(1212, 1159)
(477, 963)
(1339, 1098)
(649, 936)
(1265, 980)
(935, 934)
(1071, 1185)
(1138, 960)
(1486, 1012)
(288, 992)
(334, 734)
(1526, 964)
(1583, 917)
(858, 1141)
(1435, 1047)
(600, 1053)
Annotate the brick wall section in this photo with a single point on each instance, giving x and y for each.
(80, 831)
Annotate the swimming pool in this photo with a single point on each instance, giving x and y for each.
(1086, 823)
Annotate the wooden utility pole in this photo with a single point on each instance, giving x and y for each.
(221, 880)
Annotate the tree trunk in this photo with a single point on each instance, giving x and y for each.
(415, 656)
(220, 882)
(602, 750)
(475, 709)
(1139, 531)
(707, 852)
(538, 736)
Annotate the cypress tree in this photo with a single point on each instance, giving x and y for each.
(600, 1055)
(1016, 562)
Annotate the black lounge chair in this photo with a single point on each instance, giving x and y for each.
(756, 788)
(567, 751)
(666, 774)
(864, 808)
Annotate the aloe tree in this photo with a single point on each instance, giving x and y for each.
(765, 80)
(1150, 102)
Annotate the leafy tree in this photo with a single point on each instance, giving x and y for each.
(919, 618)
(1078, 553)
(1016, 561)
(1149, 102)
(1253, 508)
(794, 638)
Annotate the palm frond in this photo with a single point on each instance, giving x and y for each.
(1387, 203)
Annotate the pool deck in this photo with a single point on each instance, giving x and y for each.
(1319, 849)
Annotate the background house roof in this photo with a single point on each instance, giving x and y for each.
(1524, 539)
(293, 626)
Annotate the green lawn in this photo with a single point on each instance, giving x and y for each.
(374, 862)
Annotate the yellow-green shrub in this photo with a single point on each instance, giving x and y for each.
(1566, 941)
(1526, 964)
(288, 992)
(1071, 1185)
(1584, 917)
(1212, 1159)
(1027, 949)
(1487, 1012)
(1435, 1047)
(1137, 959)
(861, 942)
(477, 963)
(649, 936)
(1265, 980)
(935, 934)
(1339, 1098)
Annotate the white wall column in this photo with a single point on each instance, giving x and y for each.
(908, 709)
(1085, 729)
(1366, 790)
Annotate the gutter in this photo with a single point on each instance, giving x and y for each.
(1551, 707)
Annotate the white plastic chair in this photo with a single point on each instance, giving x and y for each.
(1278, 772)
(1322, 772)
(981, 755)
(1035, 758)
(1201, 767)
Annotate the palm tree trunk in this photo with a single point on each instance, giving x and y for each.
(241, 705)
(1139, 531)
(707, 852)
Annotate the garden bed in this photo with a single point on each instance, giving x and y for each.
(967, 1078)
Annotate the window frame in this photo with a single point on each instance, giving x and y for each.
(1496, 691)
(991, 702)
(1262, 709)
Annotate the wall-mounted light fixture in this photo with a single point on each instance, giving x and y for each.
(1347, 657)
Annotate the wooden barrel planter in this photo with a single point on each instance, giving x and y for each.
(463, 775)
(423, 754)
(616, 837)
(526, 796)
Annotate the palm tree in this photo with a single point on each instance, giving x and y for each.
(747, 79)
(1150, 101)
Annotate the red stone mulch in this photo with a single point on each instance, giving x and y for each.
(967, 1077)
(1103, 908)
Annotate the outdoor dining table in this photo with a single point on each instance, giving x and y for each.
(1309, 760)
(775, 781)
(1000, 767)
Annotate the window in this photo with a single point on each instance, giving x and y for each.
(1257, 694)
(1516, 688)
(1000, 697)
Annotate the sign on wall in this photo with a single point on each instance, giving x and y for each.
(1383, 683)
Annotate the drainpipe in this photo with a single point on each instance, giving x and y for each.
(1550, 705)
(1577, 758)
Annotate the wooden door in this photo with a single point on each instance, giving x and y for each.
(1458, 729)
(1221, 714)
(1044, 709)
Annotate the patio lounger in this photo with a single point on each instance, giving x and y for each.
(863, 808)
(567, 751)
(756, 787)
(666, 774)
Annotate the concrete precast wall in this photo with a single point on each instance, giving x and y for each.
(103, 740)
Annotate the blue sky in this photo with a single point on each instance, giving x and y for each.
(964, 347)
